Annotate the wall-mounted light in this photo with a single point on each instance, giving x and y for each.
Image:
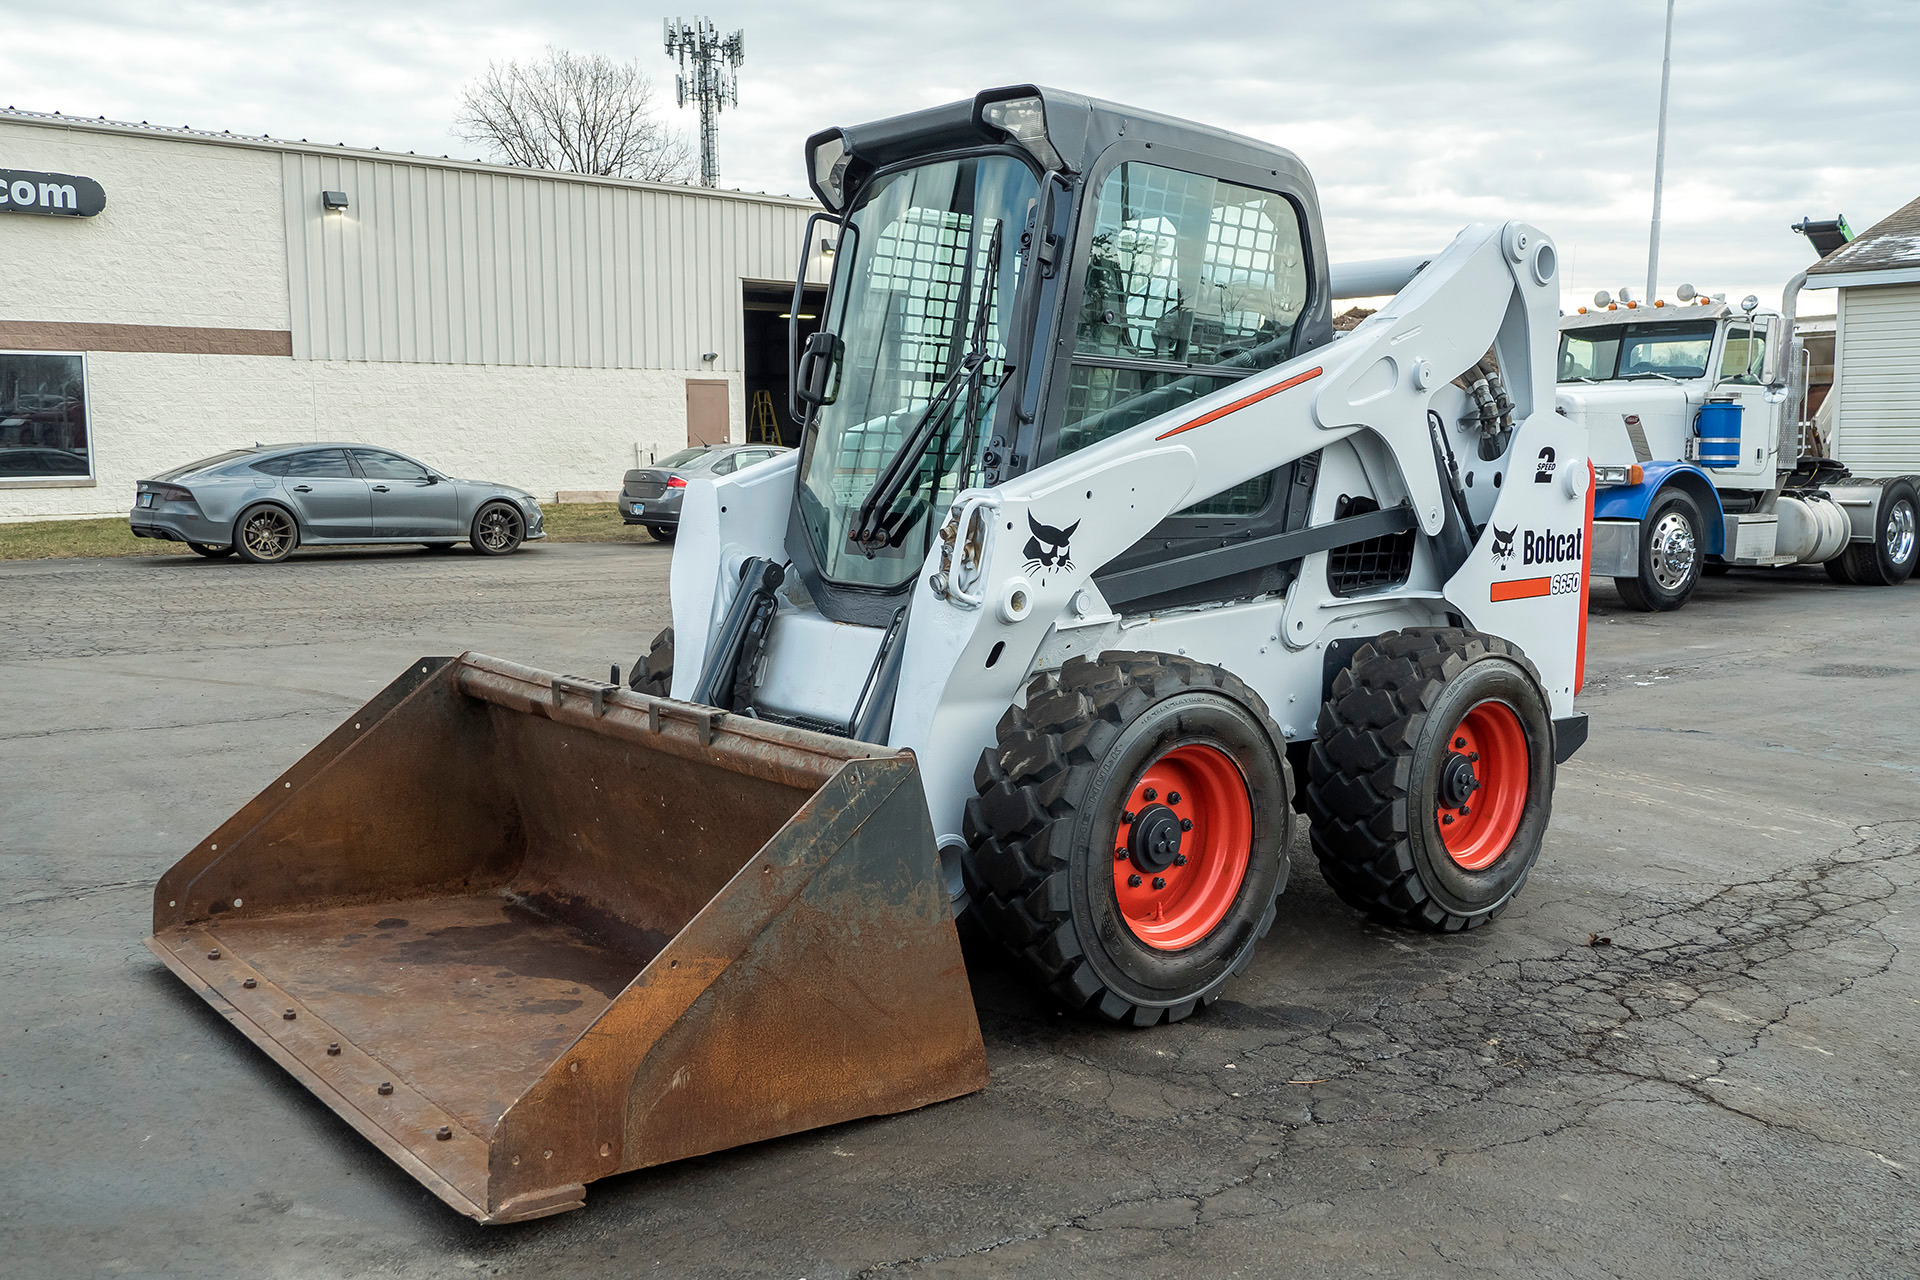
(710, 357)
(827, 247)
(333, 201)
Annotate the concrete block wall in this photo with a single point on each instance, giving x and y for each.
(542, 429)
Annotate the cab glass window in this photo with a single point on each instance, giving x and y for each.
(1744, 355)
(1193, 283)
(1588, 355)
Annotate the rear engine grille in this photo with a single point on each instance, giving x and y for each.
(1377, 562)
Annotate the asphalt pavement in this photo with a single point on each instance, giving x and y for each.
(1688, 1050)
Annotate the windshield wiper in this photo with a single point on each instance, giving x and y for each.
(1650, 373)
(869, 526)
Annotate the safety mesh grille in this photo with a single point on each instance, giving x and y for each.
(1377, 562)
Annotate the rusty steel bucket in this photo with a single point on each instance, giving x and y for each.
(525, 931)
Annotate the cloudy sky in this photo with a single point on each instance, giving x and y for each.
(1415, 116)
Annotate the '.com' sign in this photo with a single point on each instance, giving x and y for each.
(63, 195)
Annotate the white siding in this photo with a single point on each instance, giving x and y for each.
(438, 265)
(1877, 371)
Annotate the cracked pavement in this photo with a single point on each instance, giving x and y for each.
(1688, 1049)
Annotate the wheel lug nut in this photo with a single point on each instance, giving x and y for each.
(1173, 797)
(1186, 824)
(1179, 859)
(1119, 855)
(1151, 794)
(1133, 882)
(1459, 743)
(1473, 757)
(1159, 882)
(1464, 811)
(1446, 819)
(1126, 816)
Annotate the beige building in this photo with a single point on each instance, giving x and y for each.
(168, 294)
(1874, 412)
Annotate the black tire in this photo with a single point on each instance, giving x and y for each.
(663, 532)
(498, 529)
(1671, 553)
(1716, 568)
(1385, 758)
(265, 534)
(1040, 867)
(438, 546)
(1837, 570)
(209, 551)
(654, 673)
(1889, 559)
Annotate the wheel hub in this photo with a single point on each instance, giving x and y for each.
(1457, 783)
(1153, 839)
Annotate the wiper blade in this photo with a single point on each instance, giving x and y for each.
(869, 526)
(1651, 373)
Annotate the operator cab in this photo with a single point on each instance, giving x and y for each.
(1016, 277)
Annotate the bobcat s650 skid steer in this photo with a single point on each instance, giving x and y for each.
(1100, 555)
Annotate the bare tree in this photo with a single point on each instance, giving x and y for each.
(573, 112)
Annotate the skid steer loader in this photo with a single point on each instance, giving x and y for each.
(1100, 556)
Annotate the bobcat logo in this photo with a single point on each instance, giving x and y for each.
(1503, 546)
(1047, 548)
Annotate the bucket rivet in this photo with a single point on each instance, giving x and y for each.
(766, 870)
(516, 1159)
(606, 1148)
(673, 964)
(386, 1087)
(333, 1050)
(546, 1155)
(573, 1066)
(249, 984)
(445, 1133)
(288, 1015)
(214, 954)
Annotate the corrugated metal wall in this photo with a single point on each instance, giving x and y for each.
(1878, 380)
(457, 266)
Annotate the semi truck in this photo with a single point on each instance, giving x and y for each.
(1711, 449)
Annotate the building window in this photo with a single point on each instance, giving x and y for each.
(43, 418)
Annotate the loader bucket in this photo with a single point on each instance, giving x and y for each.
(525, 931)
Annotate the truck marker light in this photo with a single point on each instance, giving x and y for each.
(1243, 402)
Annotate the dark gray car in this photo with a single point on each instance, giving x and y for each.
(651, 495)
(265, 501)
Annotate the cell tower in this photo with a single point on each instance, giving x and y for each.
(707, 76)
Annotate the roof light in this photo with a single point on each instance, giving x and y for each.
(1025, 121)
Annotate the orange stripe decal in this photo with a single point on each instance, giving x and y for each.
(1243, 402)
(1523, 589)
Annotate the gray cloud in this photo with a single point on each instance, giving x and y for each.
(1416, 116)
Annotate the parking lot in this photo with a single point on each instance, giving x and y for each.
(1690, 1048)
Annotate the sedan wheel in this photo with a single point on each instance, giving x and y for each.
(266, 535)
(498, 529)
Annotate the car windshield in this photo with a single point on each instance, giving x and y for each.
(682, 458)
(906, 294)
(1636, 351)
(203, 464)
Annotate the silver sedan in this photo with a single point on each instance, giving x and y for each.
(264, 502)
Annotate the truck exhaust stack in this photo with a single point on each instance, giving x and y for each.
(525, 931)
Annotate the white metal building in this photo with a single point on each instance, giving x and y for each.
(542, 329)
(1876, 401)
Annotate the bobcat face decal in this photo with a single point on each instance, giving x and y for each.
(1503, 546)
(1048, 547)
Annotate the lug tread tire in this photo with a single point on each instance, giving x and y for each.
(1359, 772)
(1019, 825)
(1642, 593)
(1867, 564)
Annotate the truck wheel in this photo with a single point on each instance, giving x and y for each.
(1837, 570)
(1431, 781)
(1130, 833)
(1671, 553)
(1888, 560)
(654, 673)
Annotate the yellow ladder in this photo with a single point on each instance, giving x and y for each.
(762, 426)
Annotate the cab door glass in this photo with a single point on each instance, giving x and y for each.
(1192, 284)
(1744, 355)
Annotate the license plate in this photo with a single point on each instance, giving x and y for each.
(639, 508)
(146, 499)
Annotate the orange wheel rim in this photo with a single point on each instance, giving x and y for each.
(1182, 846)
(1483, 785)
